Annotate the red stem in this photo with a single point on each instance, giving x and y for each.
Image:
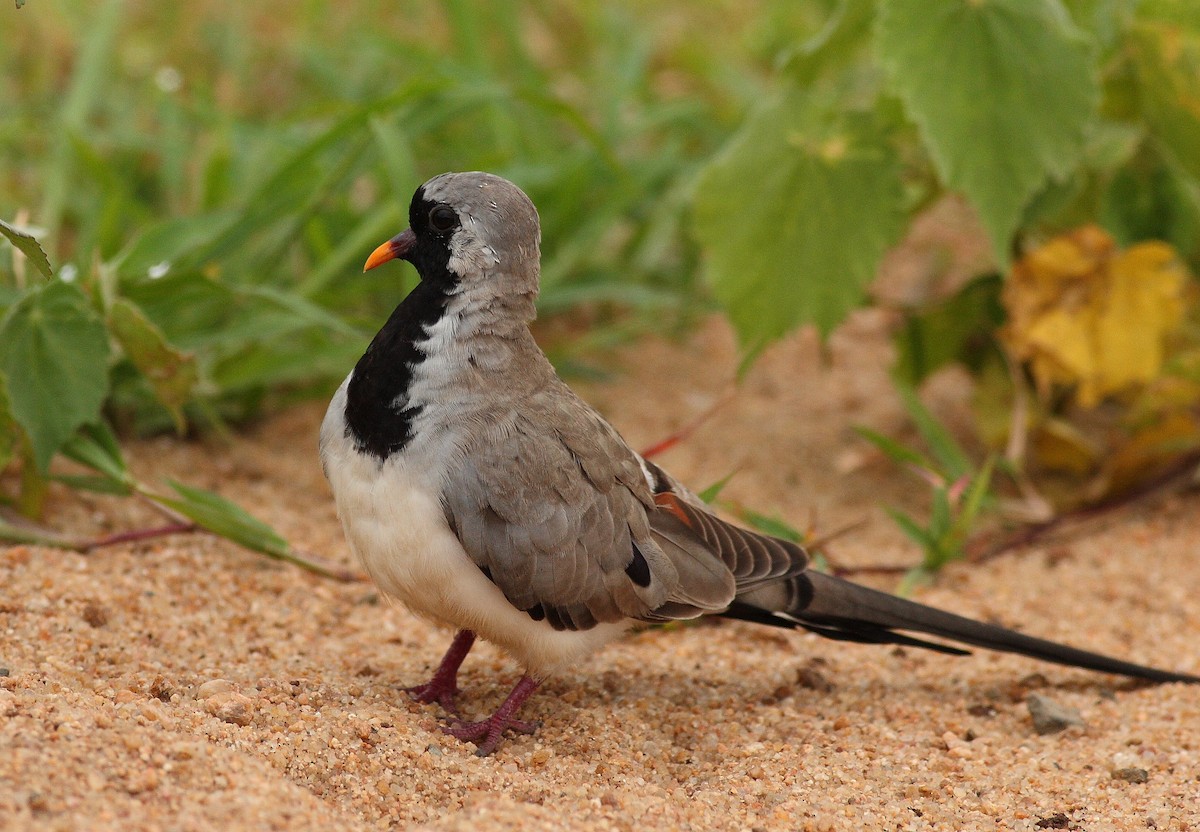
(138, 534)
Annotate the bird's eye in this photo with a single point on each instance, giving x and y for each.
(443, 218)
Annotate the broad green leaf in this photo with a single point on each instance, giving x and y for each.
(1184, 14)
(28, 245)
(1001, 92)
(795, 214)
(958, 328)
(54, 356)
(1105, 20)
(840, 39)
(1166, 55)
(171, 372)
(225, 518)
(1153, 202)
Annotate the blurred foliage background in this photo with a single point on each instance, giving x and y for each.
(206, 179)
(224, 168)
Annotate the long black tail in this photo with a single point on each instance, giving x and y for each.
(841, 610)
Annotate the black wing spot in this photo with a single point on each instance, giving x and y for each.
(638, 570)
(554, 618)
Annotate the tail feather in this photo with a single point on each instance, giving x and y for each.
(836, 608)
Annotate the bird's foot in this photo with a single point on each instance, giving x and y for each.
(443, 687)
(436, 690)
(488, 733)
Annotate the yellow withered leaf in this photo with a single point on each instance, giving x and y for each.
(1085, 315)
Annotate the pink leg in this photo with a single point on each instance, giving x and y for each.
(443, 687)
(487, 733)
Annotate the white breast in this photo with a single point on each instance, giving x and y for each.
(394, 522)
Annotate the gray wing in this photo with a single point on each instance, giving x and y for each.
(556, 510)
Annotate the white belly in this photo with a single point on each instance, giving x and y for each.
(394, 523)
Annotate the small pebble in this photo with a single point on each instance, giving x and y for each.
(1131, 775)
(233, 708)
(161, 689)
(812, 679)
(95, 614)
(1050, 717)
(212, 687)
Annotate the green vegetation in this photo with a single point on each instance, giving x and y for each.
(1043, 114)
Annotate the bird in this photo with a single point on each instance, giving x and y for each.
(476, 488)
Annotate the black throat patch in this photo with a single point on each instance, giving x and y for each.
(379, 418)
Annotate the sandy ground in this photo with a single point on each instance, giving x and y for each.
(187, 684)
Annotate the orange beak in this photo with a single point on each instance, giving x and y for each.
(397, 247)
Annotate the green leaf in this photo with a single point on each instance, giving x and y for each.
(172, 244)
(10, 431)
(766, 524)
(96, 447)
(911, 529)
(959, 328)
(1166, 54)
(376, 226)
(1153, 201)
(897, 453)
(713, 491)
(939, 525)
(54, 356)
(1001, 92)
(99, 485)
(972, 500)
(914, 579)
(220, 516)
(952, 459)
(795, 215)
(92, 69)
(28, 245)
(171, 372)
(838, 41)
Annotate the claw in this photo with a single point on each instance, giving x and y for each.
(488, 733)
(435, 691)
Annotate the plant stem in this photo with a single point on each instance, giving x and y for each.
(319, 567)
(137, 535)
(687, 430)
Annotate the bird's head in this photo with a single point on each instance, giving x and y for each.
(467, 230)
